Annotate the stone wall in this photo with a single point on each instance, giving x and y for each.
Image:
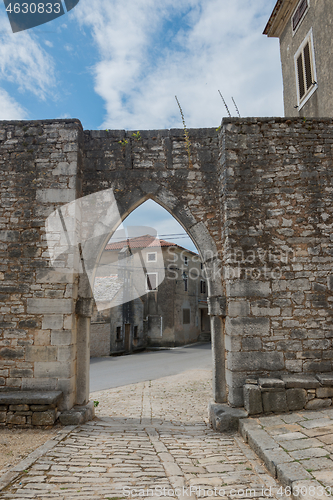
(38, 171)
(277, 187)
(256, 197)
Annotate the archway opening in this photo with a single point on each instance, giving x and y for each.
(150, 287)
(212, 290)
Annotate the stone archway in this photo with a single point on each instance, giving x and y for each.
(209, 254)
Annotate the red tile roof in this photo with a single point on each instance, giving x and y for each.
(143, 242)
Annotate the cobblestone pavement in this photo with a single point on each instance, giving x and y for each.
(297, 448)
(147, 435)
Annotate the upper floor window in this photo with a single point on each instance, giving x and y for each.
(185, 260)
(151, 257)
(305, 71)
(299, 13)
(202, 286)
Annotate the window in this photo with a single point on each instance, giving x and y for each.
(185, 284)
(299, 13)
(118, 333)
(186, 260)
(305, 71)
(152, 257)
(202, 286)
(151, 282)
(135, 332)
(186, 316)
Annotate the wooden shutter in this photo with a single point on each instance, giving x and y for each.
(299, 13)
(307, 65)
(300, 74)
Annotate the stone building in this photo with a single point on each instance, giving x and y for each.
(172, 312)
(304, 28)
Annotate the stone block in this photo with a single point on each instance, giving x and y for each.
(271, 383)
(251, 344)
(13, 419)
(41, 407)
(55, 195)
(53, 369)
(296, 399)
(3, 417)
(43, 417)
(41, 353)
(302, 381)
(52, 322)
(223, 418)
(255, 361)
(326, 379)
(287, 473)
(248, 288)
(252, 399)
(324, 392)
(318, 404)
(274, 401)
(78, 414)
(259, 441)
(49, 306)
(18, 407)
(61, 337)
(274, 457)
(238, 308)
(247, 326)
(30, 397)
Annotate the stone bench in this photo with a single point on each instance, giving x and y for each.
(288, 393)
(29, 408)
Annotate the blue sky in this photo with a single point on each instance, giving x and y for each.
(118, 65)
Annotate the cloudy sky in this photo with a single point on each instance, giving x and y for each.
(118, 65)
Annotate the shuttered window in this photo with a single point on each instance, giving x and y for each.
(299, 13)
(305, 70)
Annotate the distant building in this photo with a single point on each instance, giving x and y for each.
(170, 313)
(304, 28)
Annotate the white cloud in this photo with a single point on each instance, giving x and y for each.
(9, 108)
(24, 62)
(145, 60)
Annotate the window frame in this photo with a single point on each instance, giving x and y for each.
(151, 253)
(146, 282)
(310, 91)
(294, 31)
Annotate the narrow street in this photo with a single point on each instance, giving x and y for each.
(109, 372)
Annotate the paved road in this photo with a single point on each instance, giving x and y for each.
(151, 441)
(109, 372)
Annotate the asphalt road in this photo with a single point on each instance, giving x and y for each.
(109, 372)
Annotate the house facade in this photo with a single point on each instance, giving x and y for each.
(168, 293)
(304, 28)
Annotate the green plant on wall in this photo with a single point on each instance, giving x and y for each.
(136, 136)
(123, 142)
(187, 138)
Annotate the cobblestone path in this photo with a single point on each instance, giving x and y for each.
(150, 435)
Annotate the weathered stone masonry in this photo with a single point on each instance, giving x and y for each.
(257, 202)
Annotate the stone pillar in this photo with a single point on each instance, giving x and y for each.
(84, 313)
(216, 310)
